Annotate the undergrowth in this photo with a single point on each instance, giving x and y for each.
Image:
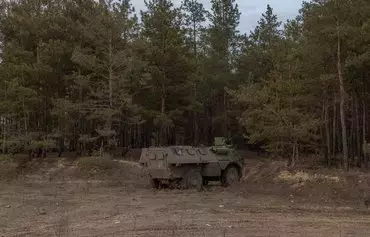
(8, 167)
(96, 165)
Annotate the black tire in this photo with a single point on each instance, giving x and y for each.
(193, 180)
(154, 183)
(230, 176)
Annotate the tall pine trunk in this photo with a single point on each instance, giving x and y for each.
(358, 134)
(334, 126)
(38, 60)
(4, 120)
(25, 118)
(225, 132)
(364, 142)
(342, 101)
(327, 132)
(24, 107)
(295, 154)
(163, 110)
(163, 99)
(351, 134)
(195, 114)
(110, 71)
(195, 121)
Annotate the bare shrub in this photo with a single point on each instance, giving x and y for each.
(97, 165)
(8, 167)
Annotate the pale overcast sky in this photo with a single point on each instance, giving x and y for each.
(251, 10)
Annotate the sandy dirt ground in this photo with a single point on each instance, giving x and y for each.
(96, 208)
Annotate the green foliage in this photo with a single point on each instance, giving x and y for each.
(276, 114)
(103, 58)
(88, 74)
(194, 17)
(42, 144)
(12, 145)
(222, 39)
(262, 49)
(6, 158)
(84, 138)
(275, 95)
(289, 78)
(167, 90)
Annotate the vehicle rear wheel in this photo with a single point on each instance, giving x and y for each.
(230, 176)
(154, 183)
(193, 180)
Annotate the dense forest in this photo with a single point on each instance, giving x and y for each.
(85, 74)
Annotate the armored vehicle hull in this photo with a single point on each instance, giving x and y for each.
(191, 167)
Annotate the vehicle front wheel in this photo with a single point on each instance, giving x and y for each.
(230, 176)
(193, 180)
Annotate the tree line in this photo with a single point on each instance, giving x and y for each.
(83, 75)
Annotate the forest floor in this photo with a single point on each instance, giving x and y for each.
(55, 200)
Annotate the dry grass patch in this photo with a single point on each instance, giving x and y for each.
(303, 177)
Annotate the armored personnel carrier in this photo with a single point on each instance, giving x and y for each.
(192, 167)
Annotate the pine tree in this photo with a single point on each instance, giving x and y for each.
(168, 90)
(103, 57)
(261, 49)
(330, 38)
(223, 39)
(32, 58)
(195, 16)
(277, 111)
(87, 74)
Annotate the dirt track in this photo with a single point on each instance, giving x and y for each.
(81, 208)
